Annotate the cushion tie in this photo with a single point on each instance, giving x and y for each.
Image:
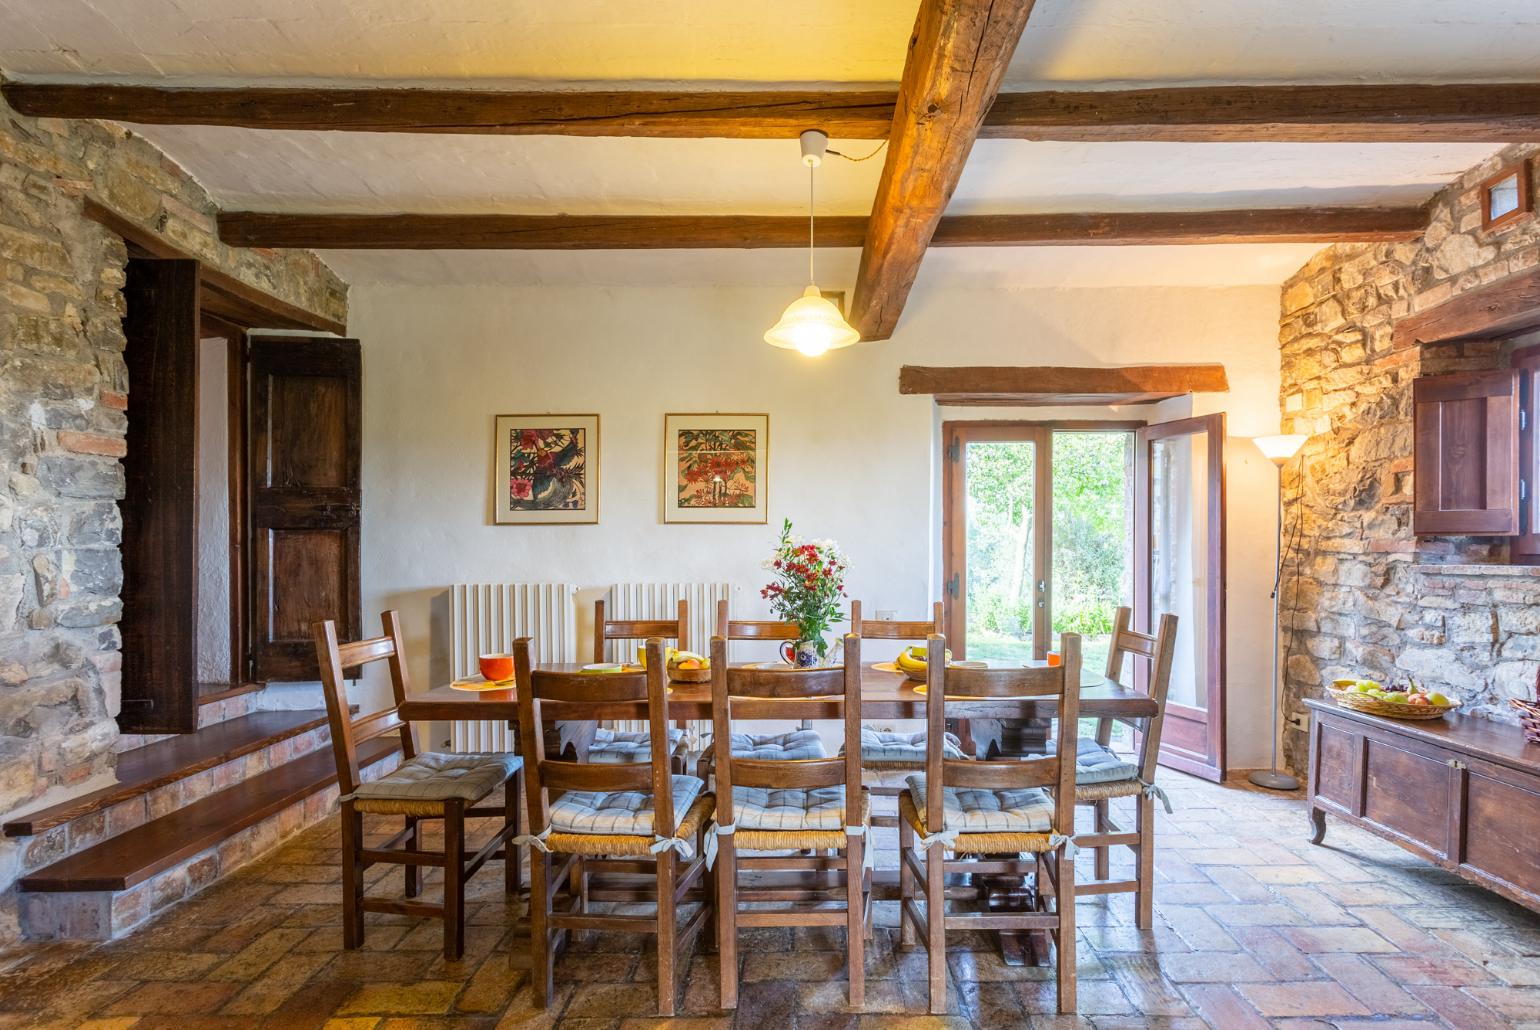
(535, 841)
(1154, 793)
(944, 837)
(678, 845)
(722, 830)
(1071, 849)
(855, 831)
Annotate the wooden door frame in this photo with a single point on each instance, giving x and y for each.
(1211, 765)
(960, 432)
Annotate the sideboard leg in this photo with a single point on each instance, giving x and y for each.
(1317, 825)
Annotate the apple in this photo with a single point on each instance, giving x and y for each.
(1439, 699)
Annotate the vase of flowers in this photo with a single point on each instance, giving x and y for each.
(809, 590)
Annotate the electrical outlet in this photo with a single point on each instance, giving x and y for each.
(1299, 721)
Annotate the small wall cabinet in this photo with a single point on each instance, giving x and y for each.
(1464, 793)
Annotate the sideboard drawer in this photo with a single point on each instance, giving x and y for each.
(1502, 812)
(1409, 792)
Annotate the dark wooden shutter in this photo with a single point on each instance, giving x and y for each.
(1466, 429)
(1526, 546)
(160, 505)
(305, 499)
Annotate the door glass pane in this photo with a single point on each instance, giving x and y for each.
(1092, 528)
(1001, 529)
(1179, 573)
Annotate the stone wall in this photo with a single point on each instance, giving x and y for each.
(1362, 595)
(64, 405)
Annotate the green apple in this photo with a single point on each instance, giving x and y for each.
(1439, 699)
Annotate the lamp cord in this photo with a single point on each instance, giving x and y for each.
(810, 277)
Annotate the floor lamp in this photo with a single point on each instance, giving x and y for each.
(1279, 450)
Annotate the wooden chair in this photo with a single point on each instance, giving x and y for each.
(1102, 775)
(813, 804)
(883, 755)
(612, 745)
(424, 786)
(994, 816)
(628, 820)
(796, 746)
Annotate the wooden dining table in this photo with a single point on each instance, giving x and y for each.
(884, 695)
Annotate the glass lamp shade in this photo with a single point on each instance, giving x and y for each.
(811, 325)
(1279, 449)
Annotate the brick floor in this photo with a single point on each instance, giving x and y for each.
(1255, 927)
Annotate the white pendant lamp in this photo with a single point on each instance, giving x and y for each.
(811, 324)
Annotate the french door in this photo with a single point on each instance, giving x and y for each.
(1038, 526)
(1179, 567)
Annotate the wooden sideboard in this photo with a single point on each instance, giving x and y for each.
(1463, 793)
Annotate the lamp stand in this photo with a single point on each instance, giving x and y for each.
(1271, 778)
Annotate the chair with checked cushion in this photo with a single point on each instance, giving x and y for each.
(799, 804)
(424, 786)
(888, 755)
(608, 820)
(1102, 775)
(612, 745)
(1010, 817)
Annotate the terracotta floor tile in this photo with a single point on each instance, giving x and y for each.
(428, 997)
(1311, 998)
(172, 998)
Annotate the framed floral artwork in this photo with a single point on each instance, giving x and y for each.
(714, 467)
(545, 470)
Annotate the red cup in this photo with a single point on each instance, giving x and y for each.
(496, 667)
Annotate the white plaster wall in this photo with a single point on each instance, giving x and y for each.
(849, 457)
(213, 513)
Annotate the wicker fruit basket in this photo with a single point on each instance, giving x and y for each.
(679, 675)
(1529, 714)
(1390, 709)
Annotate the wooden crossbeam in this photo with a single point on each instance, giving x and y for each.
(740, 114)
(756, 232)
(958, 54)
(1056, 384)
(1351, 112)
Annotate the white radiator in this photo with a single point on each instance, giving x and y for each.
(486, 618)
(661, 601)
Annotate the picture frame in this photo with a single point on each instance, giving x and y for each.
(715, 468)
(545, 470)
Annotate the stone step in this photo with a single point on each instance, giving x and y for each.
(108, 889)
(154, 766)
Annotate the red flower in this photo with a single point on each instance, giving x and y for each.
(521, 489)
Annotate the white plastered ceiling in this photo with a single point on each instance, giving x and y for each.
(703, 44)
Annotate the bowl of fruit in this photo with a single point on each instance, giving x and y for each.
(1397, 701)
(689, 667)
(914, 662)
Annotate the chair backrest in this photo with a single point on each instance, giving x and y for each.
(889, 629)
(1154, 678)
(952, 688)
(623, 695)
(640, 629)
(347, 733)
(753, 629)
(778, 692)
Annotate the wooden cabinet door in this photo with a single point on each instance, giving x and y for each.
(306, 403)
(1411, 791)
(160, 505)
(1466, 430)
(1499, 829)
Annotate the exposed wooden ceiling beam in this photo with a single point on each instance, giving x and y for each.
(702, 113)
(1455, 112)
(733, 232)
(1354, 112)
(958, 54)
(532, 232)
(1060, 384)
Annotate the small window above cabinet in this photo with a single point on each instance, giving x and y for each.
(1466, 461)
